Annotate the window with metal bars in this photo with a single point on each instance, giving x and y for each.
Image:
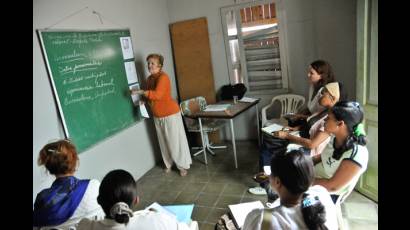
(257, 53)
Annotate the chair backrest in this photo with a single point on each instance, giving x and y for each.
(290, 103)
(192, 105)
(342, 197)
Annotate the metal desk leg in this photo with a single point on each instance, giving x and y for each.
(257, 125)
(233, 143)
(202, 139)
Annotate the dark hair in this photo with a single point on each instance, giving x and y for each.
(296, 172)
(324, 69)
(159, 57)
(342, 92)
(59, 157)
(352, 114)
(117, 186)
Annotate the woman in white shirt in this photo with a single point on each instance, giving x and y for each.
(118, 192)
(319, 74)
(345, 158)
(69, 199)
(301, 206)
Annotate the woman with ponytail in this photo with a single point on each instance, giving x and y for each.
(118, 194)
(301, 206)
(345, 158)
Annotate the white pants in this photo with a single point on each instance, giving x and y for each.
(172, 141)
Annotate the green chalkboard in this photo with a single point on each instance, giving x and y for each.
(88, 76)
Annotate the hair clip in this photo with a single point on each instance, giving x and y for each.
(309, 201)
(52, 150)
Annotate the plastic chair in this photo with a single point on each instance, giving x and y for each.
(191, 106)
(342, 197)
(290, 103)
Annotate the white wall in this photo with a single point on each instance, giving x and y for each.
(315, 29)
(335, 36)
(134, 149)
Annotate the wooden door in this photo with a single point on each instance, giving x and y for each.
(367, 89)
(192, 58)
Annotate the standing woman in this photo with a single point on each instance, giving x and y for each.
(167, 118)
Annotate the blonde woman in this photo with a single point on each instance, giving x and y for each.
(167, 118)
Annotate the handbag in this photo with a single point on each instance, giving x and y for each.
(228, 91)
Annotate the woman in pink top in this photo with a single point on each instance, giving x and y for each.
(330, 95)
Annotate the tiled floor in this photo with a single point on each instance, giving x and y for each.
(212, 187)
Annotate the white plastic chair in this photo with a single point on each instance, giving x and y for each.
(340, 200)
(290, 103)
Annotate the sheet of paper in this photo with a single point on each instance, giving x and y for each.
(131, 72)
(219, 107)
(143, 111)
(126, 47)
(266, 169)
(183, 212)
(240, 211)
(136, 97)
(248, 99)
(272, 128)
(158, 208)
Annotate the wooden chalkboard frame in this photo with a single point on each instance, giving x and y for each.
(136, 114)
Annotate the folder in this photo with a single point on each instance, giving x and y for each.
(183, 211)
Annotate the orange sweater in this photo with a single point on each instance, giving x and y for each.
(159, 95)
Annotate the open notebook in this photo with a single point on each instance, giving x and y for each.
(275, 127)
(240, 211)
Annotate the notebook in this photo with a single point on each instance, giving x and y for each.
(240, 211)
(275, 127)
(217, 107)
(248, 99)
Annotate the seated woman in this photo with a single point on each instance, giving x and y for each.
(345, 158)
(301, 206)
(312, 139)
(319, 74)
(318, 138)
(69, 199)
(118, 193)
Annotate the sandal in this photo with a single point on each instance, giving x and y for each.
(261, 177)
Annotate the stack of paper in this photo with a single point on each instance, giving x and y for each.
(248, 99)
(240, 211)
(217, 107)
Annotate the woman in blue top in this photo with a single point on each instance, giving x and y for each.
(69, 199)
